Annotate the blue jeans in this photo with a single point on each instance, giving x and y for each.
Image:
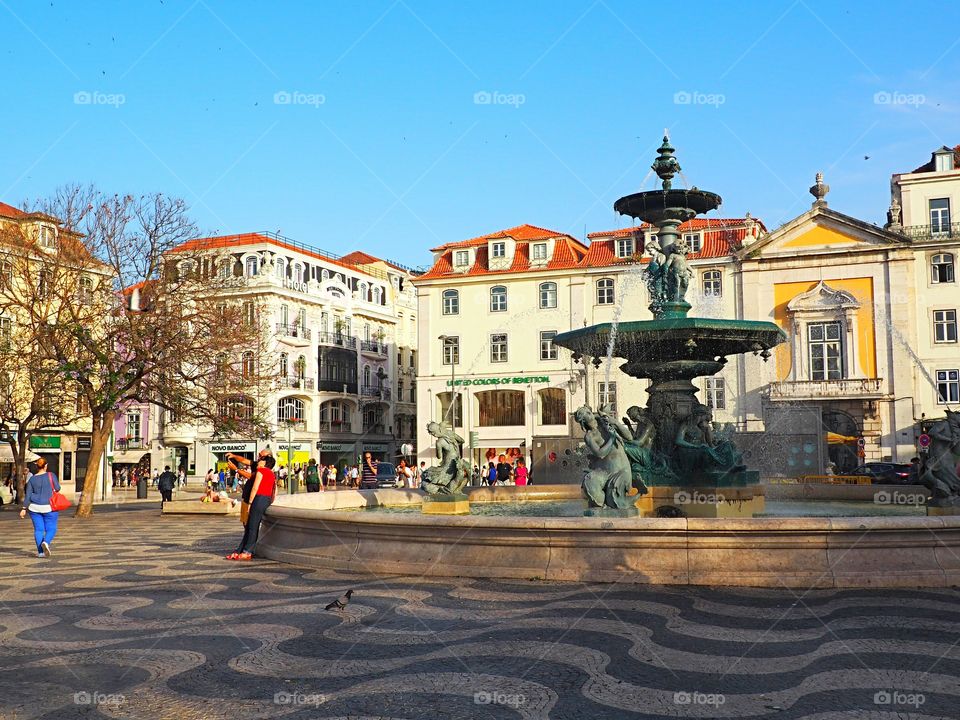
(44, 526)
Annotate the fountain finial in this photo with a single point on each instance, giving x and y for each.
(819, 191)
(666, 165)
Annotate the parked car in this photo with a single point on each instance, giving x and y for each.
(386, 477)
(884, 473)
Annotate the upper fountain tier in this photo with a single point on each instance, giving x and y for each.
(657, 206)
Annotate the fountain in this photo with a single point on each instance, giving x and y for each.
(668, 451)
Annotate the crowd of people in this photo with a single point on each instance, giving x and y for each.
(503, 472)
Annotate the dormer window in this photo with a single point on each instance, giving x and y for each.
(624, 247)
(694, 242)
(498, 250)
(943, 160)
(461, 258)
(540, 252)
(48, 237)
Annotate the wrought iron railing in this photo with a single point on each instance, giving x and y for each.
(376, 391)
(298, 383)
(931, 232)
(338, 386)
(373, 346)
(339, 339)
(294, 331)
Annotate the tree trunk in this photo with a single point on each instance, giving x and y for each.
(102, 426)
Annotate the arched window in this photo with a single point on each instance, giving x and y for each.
(455, 417)
(605, 291)
(86, 290)
(247, 364)
(451, 302)
(366, 332)
(226, 268)
(366, 376)
(712, 283)
(501, 408)
(553, 406)
(298, 273)
(335, 416)
(324, 274)
(339, 278)
(281, 268)
(548, 295)
(290, 410)
(250, 266)
(941, 267)
(364, 292)
(498, 298)
(378, 295)
(300, 367)
(284, 364)
(284, 315)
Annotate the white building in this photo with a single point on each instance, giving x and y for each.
(340, 337)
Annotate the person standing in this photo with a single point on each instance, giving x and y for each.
(182, 477)
(504, 470)
(520, 472)
(156, 478)
(354, 476)
(313, 477)
(262, 494)
(368, 472)
(36, 501)
(222, 479)
(491, 474)
(165, 483)
(406, 475)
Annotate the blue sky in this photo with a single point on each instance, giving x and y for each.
(394, 126)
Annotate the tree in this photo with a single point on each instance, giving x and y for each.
(153, 326)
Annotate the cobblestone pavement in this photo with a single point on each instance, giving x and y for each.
(138, 616)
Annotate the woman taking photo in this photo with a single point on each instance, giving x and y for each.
(36, 501)
(262, 493)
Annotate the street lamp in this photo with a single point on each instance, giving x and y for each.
(450, 341)
(291, 481)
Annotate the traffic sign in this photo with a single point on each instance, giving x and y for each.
(924, 440)
(861, 442)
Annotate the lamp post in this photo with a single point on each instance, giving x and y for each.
(449, 341)
(291, 481)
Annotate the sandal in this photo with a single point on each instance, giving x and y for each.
(233, 556)
(245, 556)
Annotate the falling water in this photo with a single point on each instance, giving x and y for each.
(906, 346)
(633, 274)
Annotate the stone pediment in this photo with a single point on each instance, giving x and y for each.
(821, 298)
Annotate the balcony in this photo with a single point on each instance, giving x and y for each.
(373, 347)
(337, 386)
(294, 334)
(123, 444)
(375, 429)
(336, 427)
(931, 232)
(337, 339)
(848, 389)
(297, 383)
(384, 393)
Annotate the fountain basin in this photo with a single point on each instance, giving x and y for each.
(309, 530)
(653, 206)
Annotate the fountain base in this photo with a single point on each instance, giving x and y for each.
(722, 501)
(456, 504)
(611, 512)
(941, 507)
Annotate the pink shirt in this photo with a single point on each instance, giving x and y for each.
(520, 475)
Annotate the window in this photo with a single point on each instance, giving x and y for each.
(716, 393)
(85, 294)
(324, 274)
(298, 273)
(284, 364)
(451, 302)
(943, 161)
(378, 295)
(607, 397)
(335, 416)
(445, 412)
(945, 326)
(290, 410)
(624, 247)
(366, 375)
(451, 351)
(948, 386)
(300, 367)
(694, 242)
(940, 216)
(48, 236)
(605, 291)
(284, 316)
(249, 316)
(501, 408)
(941, 267)
(281, 268)
(364, 292)
(548, 295)
(250, 267)
(5, 333)
(237, 407)
(302, 318)
(461, 258)
(225, 271)
(133, 427)
(498, 347)
(712, 283)
(540, 252)
(367, 333)
(548, 351)
(498, 298)
(247, 364)
(825, 351)
(553, 406)
(43, 280)
(413, 359)
(498, 250)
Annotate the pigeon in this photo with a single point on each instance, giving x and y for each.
(340, 603)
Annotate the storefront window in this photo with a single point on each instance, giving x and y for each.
(501, 408)
(445, 414)
(553, 406)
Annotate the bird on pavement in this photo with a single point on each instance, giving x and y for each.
(340, 603)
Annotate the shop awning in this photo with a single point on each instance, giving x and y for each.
(838, 439)
(6, 454)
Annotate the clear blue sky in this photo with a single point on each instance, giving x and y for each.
(399, 156)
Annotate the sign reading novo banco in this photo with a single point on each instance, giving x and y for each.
(234, 447)
(522, 380)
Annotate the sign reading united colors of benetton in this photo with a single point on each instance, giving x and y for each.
(522, 380)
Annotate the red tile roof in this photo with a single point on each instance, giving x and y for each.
(10, 211)
(241, 239)
(358, 257)
(520, 232)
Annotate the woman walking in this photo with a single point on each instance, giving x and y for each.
(262, 493)
(36, 501)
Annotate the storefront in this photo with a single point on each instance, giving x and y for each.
(220, 450)
(335, 453)
(378, 451)
(297, 453)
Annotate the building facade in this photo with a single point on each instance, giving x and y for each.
(337, 330)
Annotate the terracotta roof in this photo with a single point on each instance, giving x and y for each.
(695, 224)
(10, 211)
(358, 257)
(242, 239)
(930, 167)
(520, 232)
